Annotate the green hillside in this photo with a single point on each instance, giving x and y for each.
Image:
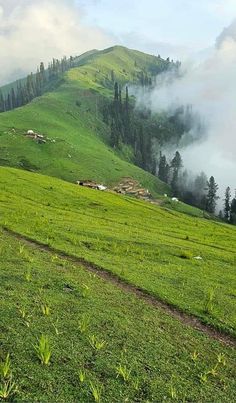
(106, 338)
(149, 246)
(69, 116)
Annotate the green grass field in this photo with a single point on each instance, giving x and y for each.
(102, 340)
(151, 247)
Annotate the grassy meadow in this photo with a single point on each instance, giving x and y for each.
(100, 343)
(152, 247)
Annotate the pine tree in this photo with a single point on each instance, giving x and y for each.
(9, 103)
(167, 174)
(112, 76)
(13, 99)
(176, 162)
(42, 72)
(2, 103)
(233, 211)
(211, 197)
(227, 204)
(116, 91)
(176, 165)
(199, 190)
(38, 83)
(162, 168)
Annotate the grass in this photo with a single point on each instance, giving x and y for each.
(160, 369)
(149, 246)
(77, 146)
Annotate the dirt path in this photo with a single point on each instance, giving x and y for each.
(186, 319)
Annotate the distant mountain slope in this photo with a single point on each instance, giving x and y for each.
(70, 118)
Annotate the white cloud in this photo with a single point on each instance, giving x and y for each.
(32, 31)
(210, 87)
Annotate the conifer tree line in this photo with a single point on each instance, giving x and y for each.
(141, 131)
(35, 84)
(197, 191)
(148, 79)
(138, 128)
(127, 127)
(229, 212)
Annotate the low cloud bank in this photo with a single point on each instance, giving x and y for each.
(32, 31)
(210, 87)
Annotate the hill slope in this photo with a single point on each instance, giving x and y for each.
(148, 246)
(81, 270)
(93, 329)
(70, 118)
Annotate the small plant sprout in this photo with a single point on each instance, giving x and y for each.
(55, 326)
(5, 367)
(96, 343)
(23, 312)
(203, 377)
(213, 371)
(25, 316)
(123, 371)
(221, 359)
(28, 274)
(173, 392)
(84, 324)
(172, 389)
(21, 248)
(194, 356)
(209, 302)
(54, 258)
(85, 291)
(43, 350)
(45, 309)
(96, 391)
(82, 375)
(7, 389)
(136, 384)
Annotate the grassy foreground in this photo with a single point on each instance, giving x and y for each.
(104, 344)
(151, 247)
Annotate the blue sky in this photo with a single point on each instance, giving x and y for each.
(174, 25)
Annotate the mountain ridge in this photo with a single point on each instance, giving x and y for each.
(78, 131)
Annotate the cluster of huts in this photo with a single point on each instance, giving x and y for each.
(39, 138)
(127, 186)
(132, 187)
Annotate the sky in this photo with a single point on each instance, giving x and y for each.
(174, 26)
(32, 30)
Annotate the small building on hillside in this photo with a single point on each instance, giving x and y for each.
(91, 184)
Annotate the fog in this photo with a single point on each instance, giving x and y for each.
(33, 31)
(210, 87)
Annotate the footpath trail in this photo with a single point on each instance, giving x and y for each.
(183, 317)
